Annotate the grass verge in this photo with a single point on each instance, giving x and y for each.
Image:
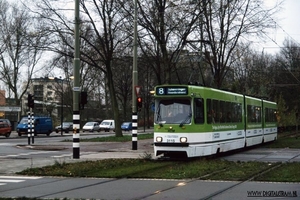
(288, 172)
(285, 142)
(204, 169)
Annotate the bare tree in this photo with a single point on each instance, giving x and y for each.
(102, 41)
(253, 73)
(107, 44)
(224, 24)
(166, 27)
(20, 41)
(123, 83)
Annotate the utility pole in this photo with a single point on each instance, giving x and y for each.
(76, 88)
(134, 83)
(62, 106)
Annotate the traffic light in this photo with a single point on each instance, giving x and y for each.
(139, 103)
(83, 99)
(30, 101)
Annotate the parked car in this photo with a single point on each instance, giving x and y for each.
(8, 122)
(91, 126)
(5, 129)
(107, 125)
(126, 126)
(67, 126)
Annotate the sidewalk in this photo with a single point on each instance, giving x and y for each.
(99, 148)
(106, 150)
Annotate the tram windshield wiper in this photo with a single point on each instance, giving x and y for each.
(186, 120)
(158, 116)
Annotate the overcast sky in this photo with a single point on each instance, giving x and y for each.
(288, 26)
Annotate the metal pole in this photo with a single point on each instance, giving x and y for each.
(134, 83)
(62, 108)
(29, 127)
(76, 88)
(32, 125)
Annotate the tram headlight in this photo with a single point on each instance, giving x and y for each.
(183, 139)
(159, 139)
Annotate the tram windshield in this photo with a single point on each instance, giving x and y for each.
(173, 111)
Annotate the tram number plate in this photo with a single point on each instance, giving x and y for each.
(170, 140)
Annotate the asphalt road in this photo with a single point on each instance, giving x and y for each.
(149, 189)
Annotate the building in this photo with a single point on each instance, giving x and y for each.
(48, 97)
(2, 102)
(8, 109)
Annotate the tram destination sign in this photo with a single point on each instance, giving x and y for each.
(171, 91)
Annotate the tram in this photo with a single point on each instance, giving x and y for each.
(193, 121)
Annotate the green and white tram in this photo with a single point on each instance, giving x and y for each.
(194, 121)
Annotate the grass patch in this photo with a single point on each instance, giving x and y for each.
(288, 172)
(239, 171)
(131, 168)
(284, 142)
(204, 169)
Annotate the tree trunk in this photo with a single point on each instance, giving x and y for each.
(114, 103)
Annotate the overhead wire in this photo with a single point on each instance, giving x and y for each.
(283, 30)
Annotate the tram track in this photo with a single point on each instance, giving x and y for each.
(250, 178)
(210, 196)
(271, 167)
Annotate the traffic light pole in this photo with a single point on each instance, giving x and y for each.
(29, 127)
(30, 123)
(76, 88)
(134, 83)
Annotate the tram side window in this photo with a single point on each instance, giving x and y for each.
(223, 111)
(237, 112)
(220, 109)
(270, 115)
(258, 113)
(199, 111)
(210, 116)
(253, 114)
(228, 108)
(214, 111)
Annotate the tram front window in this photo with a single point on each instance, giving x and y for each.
(173, 111)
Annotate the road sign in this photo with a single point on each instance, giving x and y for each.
(76, 89)
(10, 109)
(137, 90)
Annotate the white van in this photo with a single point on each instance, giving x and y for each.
(107, 125)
